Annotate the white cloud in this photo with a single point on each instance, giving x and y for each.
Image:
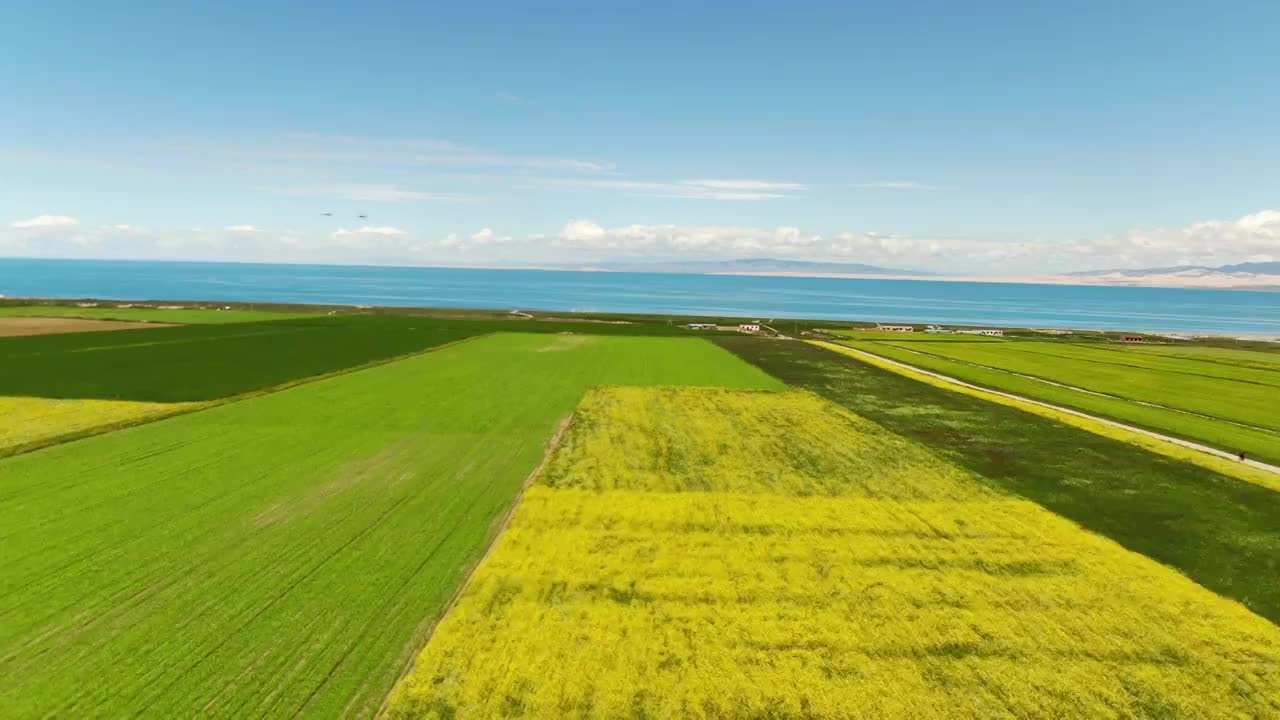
(690, 189)
(1254, 237)
(383, 230)
(718, 195)
(403, 170)
(244, 229)
(46, 221)
(745, 184)
(480, 241)
(582, 231)
(372, 192)
(667, 240)
(1267, 221)
(895, 185)
(310, 149)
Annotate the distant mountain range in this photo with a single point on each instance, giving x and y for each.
(1256, 268)
(1242, 276)
(761, 266)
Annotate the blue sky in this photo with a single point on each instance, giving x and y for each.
(1018, 136)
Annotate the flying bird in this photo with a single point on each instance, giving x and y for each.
(363, 217)
(327, 214)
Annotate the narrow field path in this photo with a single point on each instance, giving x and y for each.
(1020, 398)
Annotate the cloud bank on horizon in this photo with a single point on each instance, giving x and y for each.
(418, 185)
(1251, 238)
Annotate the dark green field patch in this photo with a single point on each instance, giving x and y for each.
(1221, 532)
(209, 362)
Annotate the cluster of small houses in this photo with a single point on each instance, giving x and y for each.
(935, 330)
(989, 332)
(744, 327)
(126, 306)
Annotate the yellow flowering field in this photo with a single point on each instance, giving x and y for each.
(719, 554)
(30, 421)
(678, 439)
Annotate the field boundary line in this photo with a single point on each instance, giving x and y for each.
(499, 527)
(16, 450)
(879, 360)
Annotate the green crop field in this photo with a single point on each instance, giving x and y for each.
(207, 362)
(1211, 399)
(1225, 465)
(193, 316)
(1220, 531)
(1213, 388)
(1262, 359)
(286, 553)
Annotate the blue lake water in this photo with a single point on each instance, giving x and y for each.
(1024, 305)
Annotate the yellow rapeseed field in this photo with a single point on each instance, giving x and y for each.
(30, 421)
(677, 439)
(718, 554)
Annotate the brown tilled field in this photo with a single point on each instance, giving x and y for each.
(16, 326)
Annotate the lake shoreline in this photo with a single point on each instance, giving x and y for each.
(293, 310)
(1083, 307)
